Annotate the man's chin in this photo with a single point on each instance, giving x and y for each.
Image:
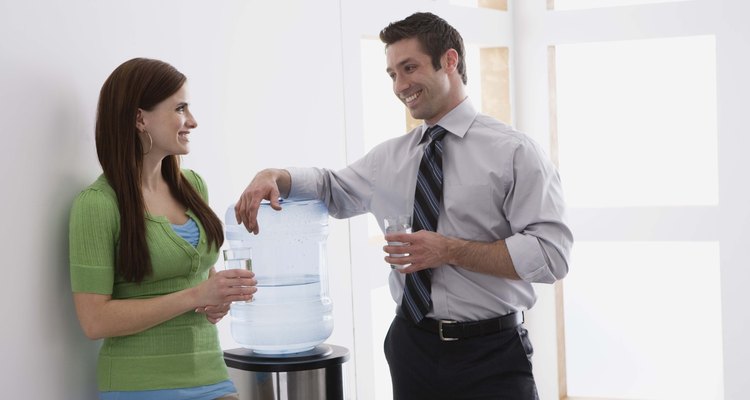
(416, 114)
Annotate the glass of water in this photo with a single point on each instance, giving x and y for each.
(239, 258)
(397, 224)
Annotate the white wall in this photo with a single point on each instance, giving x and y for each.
(266, 86)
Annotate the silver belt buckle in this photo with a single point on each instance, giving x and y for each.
(440, 329)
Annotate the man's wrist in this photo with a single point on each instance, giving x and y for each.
(456, 250)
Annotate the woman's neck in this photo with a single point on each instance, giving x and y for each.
(151, 177)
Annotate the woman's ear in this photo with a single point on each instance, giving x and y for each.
(139, 122)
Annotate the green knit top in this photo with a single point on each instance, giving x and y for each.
(181, 352)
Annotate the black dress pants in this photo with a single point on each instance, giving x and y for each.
(496, 366)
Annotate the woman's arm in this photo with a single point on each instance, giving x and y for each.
(214, 313)
(101, 316)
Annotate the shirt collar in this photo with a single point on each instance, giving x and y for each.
(457, 121)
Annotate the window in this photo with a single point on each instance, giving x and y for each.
(625, 107)
(630, 321)
(636, 132)
(584, 4)
(501, 5)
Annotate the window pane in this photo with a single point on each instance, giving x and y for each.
(495, 82)
(643, 321)
(637, 122)
(473, 62)
(382, 112)
(501, 5)
(583, 4)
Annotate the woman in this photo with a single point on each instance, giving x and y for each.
(143, 242)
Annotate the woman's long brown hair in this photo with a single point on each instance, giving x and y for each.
(141, 83)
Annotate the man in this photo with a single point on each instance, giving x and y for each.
(488, 221)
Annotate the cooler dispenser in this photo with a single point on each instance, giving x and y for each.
(283, 329)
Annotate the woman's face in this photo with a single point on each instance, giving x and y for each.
(169, 125)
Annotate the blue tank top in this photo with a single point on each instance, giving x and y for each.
(188, 231)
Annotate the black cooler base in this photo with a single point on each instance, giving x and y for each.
(316, 374)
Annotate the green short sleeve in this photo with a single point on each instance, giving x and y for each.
(93, 235)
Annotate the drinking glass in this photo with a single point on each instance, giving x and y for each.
(397, 224)
(239, 258)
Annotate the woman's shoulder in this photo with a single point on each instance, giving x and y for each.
(97, 199)
(195, 180)
(99, 191)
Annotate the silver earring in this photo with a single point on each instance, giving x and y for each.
(150, 142)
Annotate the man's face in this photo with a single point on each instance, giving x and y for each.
(425, 92)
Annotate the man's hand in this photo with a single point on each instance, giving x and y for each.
(425, 249)
(269, 184)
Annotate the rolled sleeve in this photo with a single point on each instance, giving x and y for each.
(528, 260)
(304, 183)
(541, 242)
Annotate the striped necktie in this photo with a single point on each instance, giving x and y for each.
(427, 196)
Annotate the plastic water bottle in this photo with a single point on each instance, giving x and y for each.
(291, 311)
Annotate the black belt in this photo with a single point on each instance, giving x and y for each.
(453, 330)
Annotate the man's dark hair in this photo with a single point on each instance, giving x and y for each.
(434, 35)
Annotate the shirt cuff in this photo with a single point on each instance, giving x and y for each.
(303, 183)
(91, 279)
(528, 259)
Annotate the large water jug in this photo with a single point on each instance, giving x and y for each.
(291, 311)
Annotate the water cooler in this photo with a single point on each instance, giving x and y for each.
(282, 330)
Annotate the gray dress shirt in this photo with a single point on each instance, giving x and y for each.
(498, 184)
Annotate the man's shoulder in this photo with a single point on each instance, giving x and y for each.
(495, 130)
(412, 137)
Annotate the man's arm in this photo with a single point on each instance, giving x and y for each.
(429, 250)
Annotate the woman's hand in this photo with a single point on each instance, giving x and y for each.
(226, 286)
(228, 281)
(214, 314)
